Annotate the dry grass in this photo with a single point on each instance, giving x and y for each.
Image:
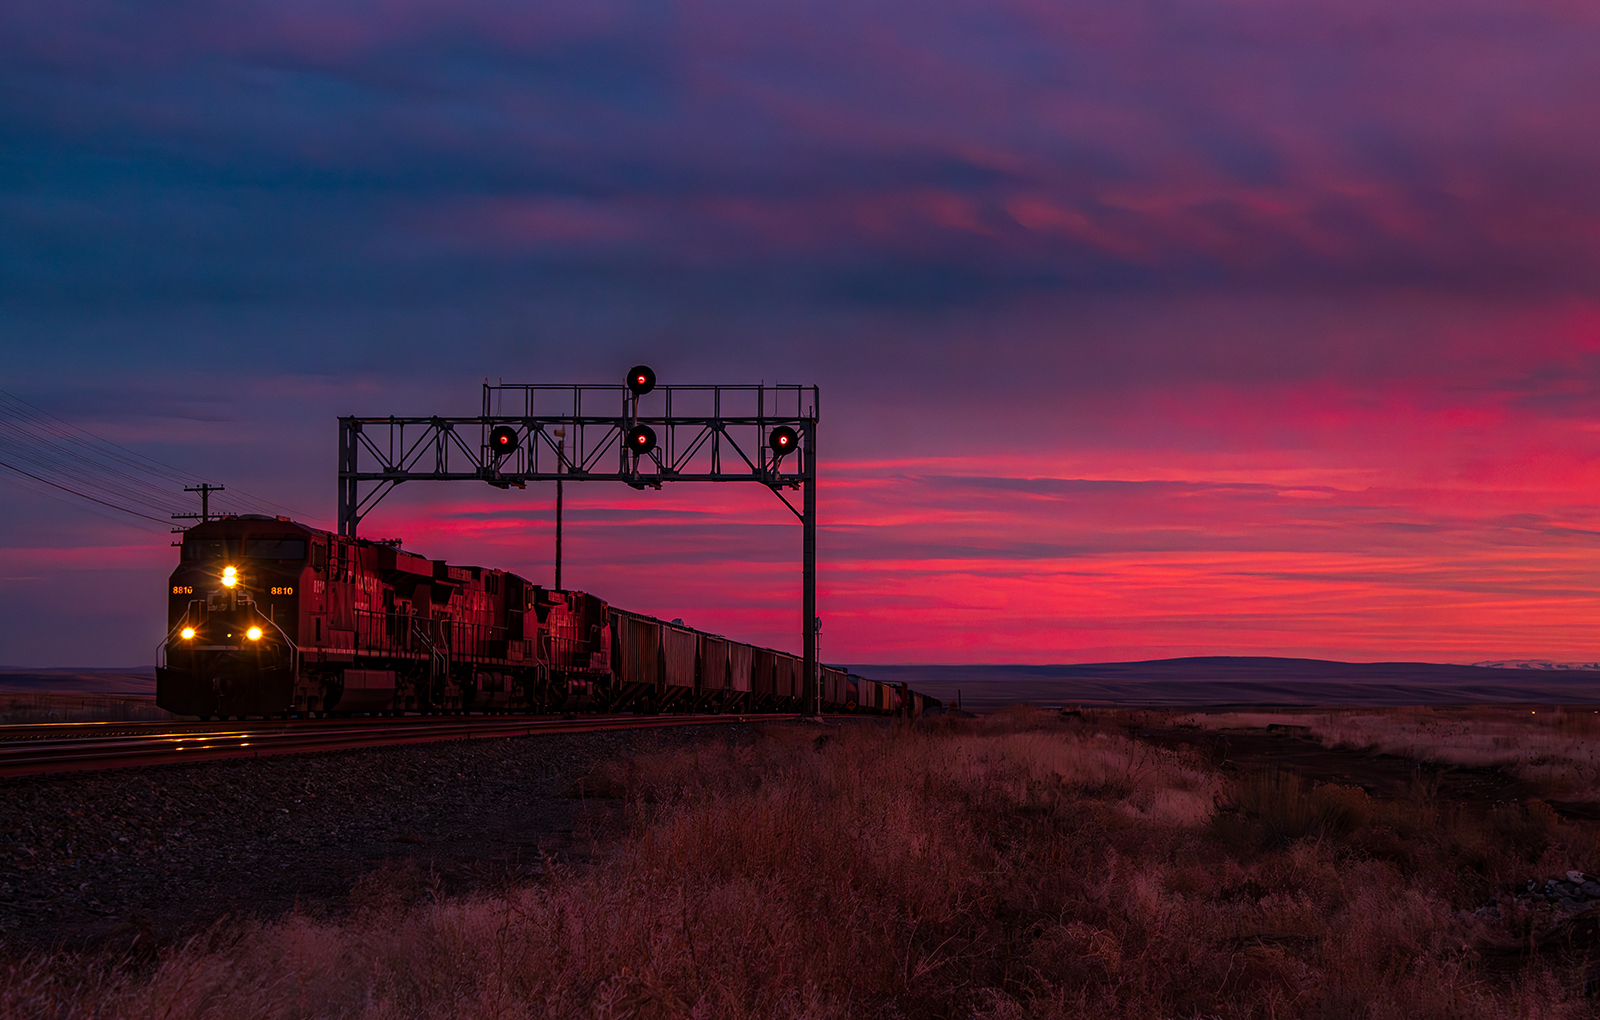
(42, 707)
(1555, 748)
(1013, 867)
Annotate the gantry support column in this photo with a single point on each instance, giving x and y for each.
(808, 623)
(347, 477)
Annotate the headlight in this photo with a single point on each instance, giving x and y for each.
(254, 633)
(186, 633)
(230, 577)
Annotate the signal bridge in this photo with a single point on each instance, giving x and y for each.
(637, 433)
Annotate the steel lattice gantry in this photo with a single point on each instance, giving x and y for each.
(702, 434)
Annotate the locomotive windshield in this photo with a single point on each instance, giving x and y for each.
(204, 549)
(275, 548)
(254, 549)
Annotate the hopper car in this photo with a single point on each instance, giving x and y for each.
(268, 617)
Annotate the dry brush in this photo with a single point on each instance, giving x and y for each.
(1015, 866)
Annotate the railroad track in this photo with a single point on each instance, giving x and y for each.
(31, 750)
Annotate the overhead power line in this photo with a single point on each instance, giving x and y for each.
(81, 495)
(54, 452)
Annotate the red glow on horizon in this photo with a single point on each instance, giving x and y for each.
(1444, 517)
(1406, 552)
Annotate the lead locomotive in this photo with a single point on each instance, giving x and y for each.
(268, 617)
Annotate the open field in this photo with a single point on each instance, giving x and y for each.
(1245, 680)
(46, 707)
(1017, 865)
(1555, 749)
(132, 682)
(78, 695)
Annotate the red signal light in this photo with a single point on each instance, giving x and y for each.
(641, 439)
(503, 439)
(783, 439)
(641, 380)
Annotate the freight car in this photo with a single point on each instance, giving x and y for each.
(267, 617)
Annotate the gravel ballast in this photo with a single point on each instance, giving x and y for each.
(151, 854)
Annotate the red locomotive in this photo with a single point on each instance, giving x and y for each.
(267, 617)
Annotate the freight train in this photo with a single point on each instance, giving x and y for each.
(267, 617)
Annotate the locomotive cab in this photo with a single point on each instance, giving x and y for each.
(232, 619)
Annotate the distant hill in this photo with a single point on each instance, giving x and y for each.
(1249, 680)
(1192, 681)
(138, 681)
(1536, 664)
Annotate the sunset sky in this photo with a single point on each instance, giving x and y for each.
(1143, 329)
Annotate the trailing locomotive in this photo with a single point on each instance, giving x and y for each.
(268, 617)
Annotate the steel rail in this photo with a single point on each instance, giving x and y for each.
(83, 751)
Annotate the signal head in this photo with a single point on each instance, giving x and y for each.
(502, 439)
(783, 439)
(641, 439)
(641, 380)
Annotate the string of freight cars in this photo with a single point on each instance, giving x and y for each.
(271, 618)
